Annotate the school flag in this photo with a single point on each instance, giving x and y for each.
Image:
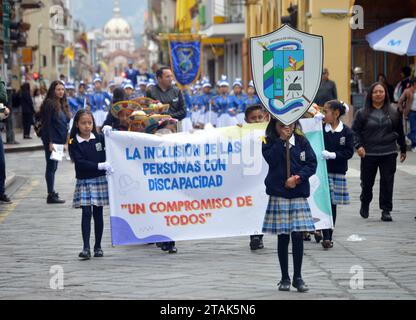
(185, 58)
(69, 53)
(286, 66)
(208, 184)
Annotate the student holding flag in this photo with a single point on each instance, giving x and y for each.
(288, 213)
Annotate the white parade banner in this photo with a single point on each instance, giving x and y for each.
(207, 184)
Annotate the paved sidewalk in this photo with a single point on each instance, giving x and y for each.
(23, 144)
(35, 236)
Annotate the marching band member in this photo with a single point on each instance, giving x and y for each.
(239, 100)
(100, 102)
(223, 104)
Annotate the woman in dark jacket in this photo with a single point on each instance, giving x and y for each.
(378, 128)
(28, 110)
(55, 116)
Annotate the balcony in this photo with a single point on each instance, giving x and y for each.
(222, 18)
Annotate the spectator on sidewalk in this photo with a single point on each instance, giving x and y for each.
(390, 89)
(378, 128)
(39, 95)
(3, 115)
(327, 90)
(403, 84)
(28, 110)
(55, 116)
(408, 104)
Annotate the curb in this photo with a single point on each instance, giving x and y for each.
(23, 148)
(10, 178)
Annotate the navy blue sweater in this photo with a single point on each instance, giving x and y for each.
(55, 125)
(302, 163)
(87, 155)
(342, 143)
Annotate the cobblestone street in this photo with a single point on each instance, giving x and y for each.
(35, 236)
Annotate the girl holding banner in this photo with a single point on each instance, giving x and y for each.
(87, 151)
(288, 212)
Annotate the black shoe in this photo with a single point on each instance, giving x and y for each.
(85, 254)
(254, 243)
(318, 236)
(364, 211)
(173, 250)
(5, 198)
(300, 285)
(261, 245)
(169, 246)
(98, 253)
(27, 137)
(327, 244)
(385, 216)
(284, 285)
(54, 198)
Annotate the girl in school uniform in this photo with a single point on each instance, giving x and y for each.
(288, 213)
(339, 148)
(87, 151)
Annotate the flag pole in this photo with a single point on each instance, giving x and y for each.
(287, 158)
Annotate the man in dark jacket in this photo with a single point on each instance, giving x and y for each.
(166, 93)
(28, 111)
(327, 90)
(4, 112)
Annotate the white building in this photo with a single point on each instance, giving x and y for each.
(117, 47)
(117, 33)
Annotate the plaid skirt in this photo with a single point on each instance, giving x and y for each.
(91, 192)
(338, 189)
(284, 216)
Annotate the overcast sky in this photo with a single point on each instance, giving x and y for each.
(96, 13)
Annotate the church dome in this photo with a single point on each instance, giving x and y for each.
(117, 27)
